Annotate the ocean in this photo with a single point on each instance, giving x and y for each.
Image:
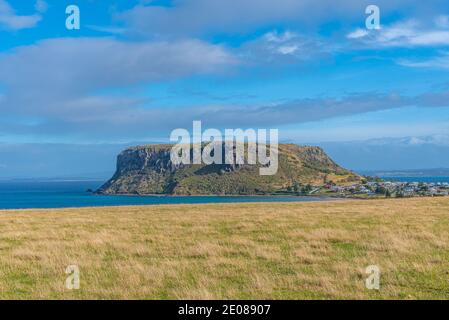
(417, 179)
(67, 194)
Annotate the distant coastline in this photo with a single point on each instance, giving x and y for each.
(436, 172)
(426, 179)
(73, 194)
(65, 193)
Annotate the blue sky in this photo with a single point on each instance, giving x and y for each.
(136, 70)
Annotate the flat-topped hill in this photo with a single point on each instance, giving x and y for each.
(149, 170)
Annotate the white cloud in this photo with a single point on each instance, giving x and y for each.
(275, 36)
(61, 85)
(431, 38)
(440, 62)
(199, 17)
(432, 139)
(289, 49)
(87, 64)
(410, 33)
(10, 20)
(282, 47)
(107, 29)
(358, 33)
(286, 43)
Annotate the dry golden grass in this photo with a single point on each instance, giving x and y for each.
(255, 251)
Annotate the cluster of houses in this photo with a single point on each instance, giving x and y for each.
(392, 189)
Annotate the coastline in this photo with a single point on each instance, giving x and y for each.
(211, 204)
(53, 195)
(190, 201)
(189, 205)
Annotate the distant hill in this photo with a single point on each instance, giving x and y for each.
(439, 172)
(148, 170)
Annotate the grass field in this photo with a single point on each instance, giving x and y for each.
(249, 251)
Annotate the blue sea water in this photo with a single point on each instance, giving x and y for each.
(417, 179)
(66, 194)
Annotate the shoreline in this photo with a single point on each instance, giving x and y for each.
(310, 199)
(201, 195)
(275, 200)
(124, 206)
(93, 199)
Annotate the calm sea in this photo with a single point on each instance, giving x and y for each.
(418, 179)
(51, 194)
(66, 194)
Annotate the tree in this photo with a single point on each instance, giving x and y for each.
(307, 189)
(381, 190)
(297, 187)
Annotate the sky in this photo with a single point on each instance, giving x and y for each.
(136, 70)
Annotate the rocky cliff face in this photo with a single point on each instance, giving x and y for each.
(149, 170)
(138, 159)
